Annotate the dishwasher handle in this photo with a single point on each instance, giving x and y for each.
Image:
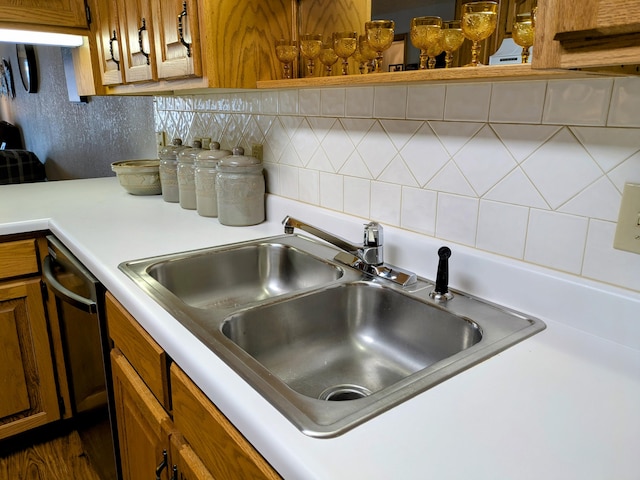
(78, 301)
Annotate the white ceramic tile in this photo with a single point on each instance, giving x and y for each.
(457, 218)
(264, 122)
(253, 102)
(269, 102)
(397, 172)
(523, 140)
(627, 171)
(355, 167)
(290, 123)
(400, 131)
(320, 162)
(454, 135)
(424, 155)
(556, 240)
(516, 188)
(359, 102)
(425, 102)
(390, 102)
(289, 181)
(305, 142)
(331, 191)
(561, 168)
(332, 102)
(357, 196)
(385, 203)
(599, 200)
(502, 228)
(578, 101)
(337, 145)
(309, 186)
(252, 133)
(625, 103)
(450, 179)
(357, 128)
(290, 157)
(377, 150)
(467, 102)
(604, 263)
(238, 102)
(309, 101)
(276, 140)
(321, 126)
(418, 212)
(484, 161)
(517, 102)
(607, 145)
(272, 177)
(288, 102)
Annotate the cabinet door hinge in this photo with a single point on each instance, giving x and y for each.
(87, 12)
(45, 291)
(61, 406)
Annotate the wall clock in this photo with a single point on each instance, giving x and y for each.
(27, 66)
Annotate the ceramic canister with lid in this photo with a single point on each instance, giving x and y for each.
(186, 176)
(169, 170)
(206, 169)
(240, 188)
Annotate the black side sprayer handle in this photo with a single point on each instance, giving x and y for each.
(442, 277)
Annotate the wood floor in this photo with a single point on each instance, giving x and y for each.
(63, 458)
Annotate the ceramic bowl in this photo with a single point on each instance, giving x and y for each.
(139, 177)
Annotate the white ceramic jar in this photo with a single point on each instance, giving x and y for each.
(240, 188)
(186, 176)
(206, 170)
(169, 170)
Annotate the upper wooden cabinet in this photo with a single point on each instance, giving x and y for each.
(52, 15)
(587, 33)
(107, 41)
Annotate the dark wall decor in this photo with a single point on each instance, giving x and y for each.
(28, 67)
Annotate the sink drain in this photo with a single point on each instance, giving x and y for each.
(341, 393)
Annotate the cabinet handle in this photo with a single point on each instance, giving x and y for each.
(174, 475)
(113, 40)
(141, 41)
(85, 304)
(163, 464)
(181, 28)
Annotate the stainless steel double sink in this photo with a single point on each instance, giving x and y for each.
(328, 345)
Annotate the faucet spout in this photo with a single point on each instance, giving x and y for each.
(291, 223)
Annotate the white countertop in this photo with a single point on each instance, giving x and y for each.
(563, 404)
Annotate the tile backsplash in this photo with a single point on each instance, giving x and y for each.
(531, 170)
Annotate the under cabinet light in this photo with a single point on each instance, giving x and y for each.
(39, 38)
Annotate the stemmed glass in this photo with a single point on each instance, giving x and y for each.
(287, 52)
(523, 33)
(380, 38)
(479, 21)
(310, 46)
(426, 35)
(344, 44)
(452, 39)
(368, 53)
(328, 57)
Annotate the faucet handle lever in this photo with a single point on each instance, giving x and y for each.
(373, 235)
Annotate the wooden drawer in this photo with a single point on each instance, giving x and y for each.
(18, 258)
(145, 355)
(221, 447)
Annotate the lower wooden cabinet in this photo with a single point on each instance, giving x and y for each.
(197, 442)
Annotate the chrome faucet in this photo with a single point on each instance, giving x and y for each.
(367, 258)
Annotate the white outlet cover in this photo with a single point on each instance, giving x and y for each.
(628, 228)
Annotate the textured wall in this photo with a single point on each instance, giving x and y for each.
(76, 140)
(528, 170)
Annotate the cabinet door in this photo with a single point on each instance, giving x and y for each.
(220, 446)
(187, 464)
(143, 425)
(29, 396)
(59, 13)
(108, 41)
(177, 38)
(138, 48)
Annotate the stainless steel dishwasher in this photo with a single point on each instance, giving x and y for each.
(79, 300)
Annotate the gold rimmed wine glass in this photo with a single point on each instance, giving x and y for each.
(344, 44)
(522, 33)
(426, 35)
(380, 37)
(479, 21)
(287, 52)
(328, 57)
(310, 46)
(452, 39)
(368, 53)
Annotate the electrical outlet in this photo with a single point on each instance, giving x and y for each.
(161, 140)
(628, 229)
(256, 151)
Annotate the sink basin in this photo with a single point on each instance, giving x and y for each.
(350, 341)
(240, 275)
(328, 345)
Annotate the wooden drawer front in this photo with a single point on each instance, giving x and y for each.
(147, 357)
(221, 447)
(18, 258)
